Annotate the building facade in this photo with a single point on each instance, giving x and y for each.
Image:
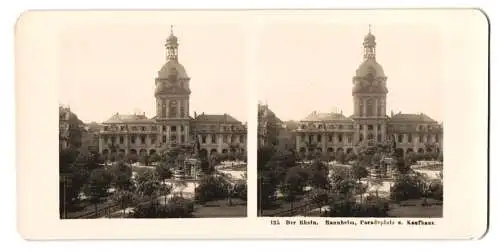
(329, 133)
(172, 124)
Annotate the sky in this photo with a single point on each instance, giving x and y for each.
(110, 68)
(296, 62)
(311, 65)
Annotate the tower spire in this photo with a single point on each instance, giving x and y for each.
(369, 44)
(172, 46)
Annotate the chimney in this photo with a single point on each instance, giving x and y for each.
(194, 114)
(392, 113)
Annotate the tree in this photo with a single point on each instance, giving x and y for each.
(211, 188)
(98, 185)
(351, 156)
(340, 157)
(149, 185)
(241, 189)
(319, 197)
(153, 158)
(122, 175)
(319, 175)
(294, 183)
(124, 198)
(407, 186)
(163, 171)
(360, 171)
(144, 159)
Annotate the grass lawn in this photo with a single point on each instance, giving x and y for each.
(220, 209)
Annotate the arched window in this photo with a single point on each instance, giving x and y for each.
(163, 110)
(173, 109)
(369, 107)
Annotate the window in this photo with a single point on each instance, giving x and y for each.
(311, 138)
(164, 128)
(153, 128)
(173, 129)
(134, 128)
(143, 128)
(163, 110)
(143, 139)
(420, 139)
(437, 139)
(341, 126)
(400, 138)
(330, 138)
(214, 138)
(105, 128)
(164, 139)
(153, 139)
(379, 126)
(369, 107)
(173, 109)
(122, 128)
(360, 127)
(182, 138)
(351, 127)
(173, 138)
(113, 139)
(182, 128)
(349, 139)
(370, 127)
(361, 138)
(379, 138)
(233, 139)
(318, 137)
(320, 126)
(302, 138)
(121, 140)
(339, 138)
(132, 139)
(203, 139)
(410, 138)
(182, 111)
(242, 139)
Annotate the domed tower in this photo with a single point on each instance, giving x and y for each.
(369, 96)
(172, 97)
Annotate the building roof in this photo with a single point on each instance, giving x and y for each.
(225, 118)
(412, 118)
(134, 118)
(315, 116)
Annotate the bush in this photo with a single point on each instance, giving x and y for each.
(177, 207)
(211, 188)
(407, 187)
(436, 191)
(241, 190)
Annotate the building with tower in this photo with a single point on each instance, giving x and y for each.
(172, 124)
(329, 133)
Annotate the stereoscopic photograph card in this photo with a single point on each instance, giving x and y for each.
(333, 124)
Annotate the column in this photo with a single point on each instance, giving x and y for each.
(125, 139)
(365, 132)
(186, 107)
(179, 103)
(178, 128)
(364, 107)
(376, 109)
(166, 103)
(219, 142)
(101, 143)
(383, 130)
(297, 142)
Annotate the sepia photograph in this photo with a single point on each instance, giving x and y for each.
(151, 121)
(267, 124)
(350, 121)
